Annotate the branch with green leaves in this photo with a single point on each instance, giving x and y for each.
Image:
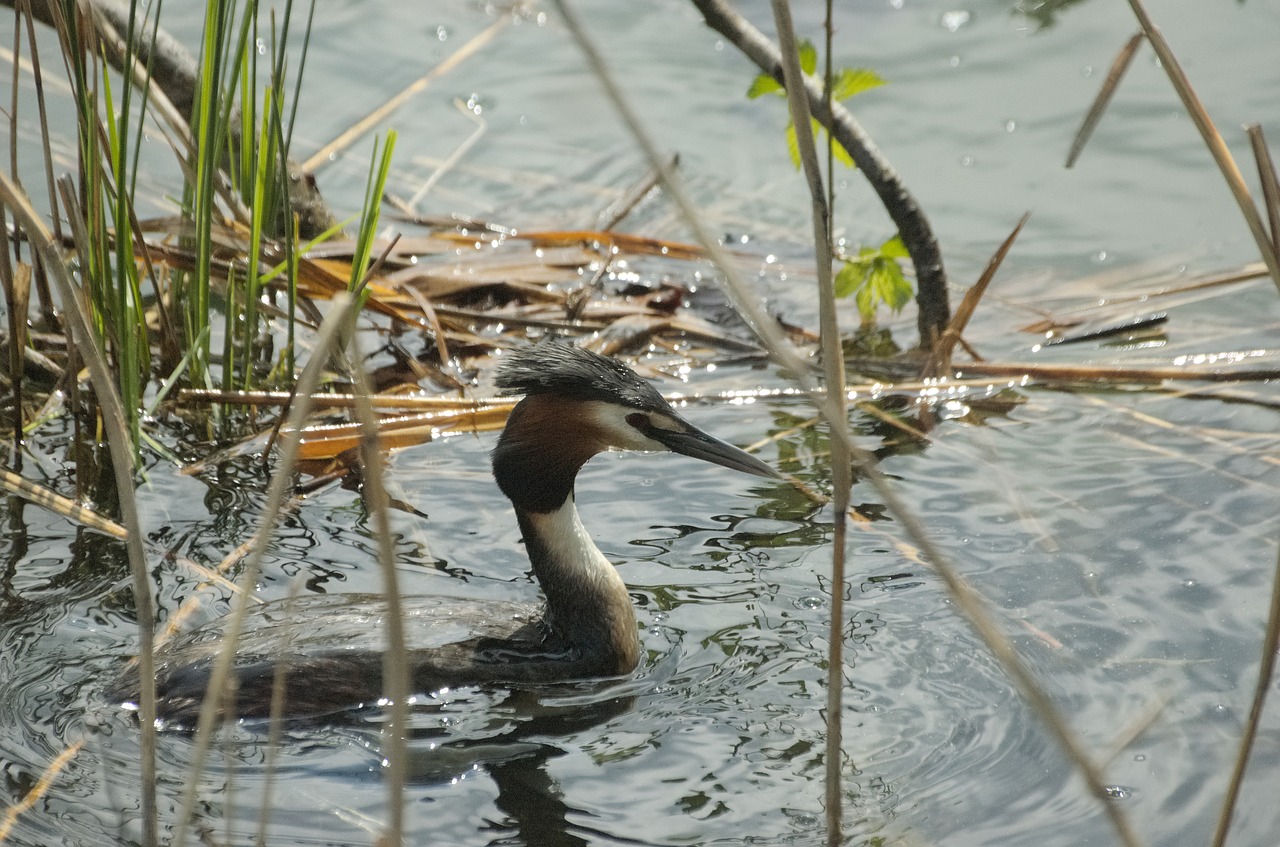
(845, 83)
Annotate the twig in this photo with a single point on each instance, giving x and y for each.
(326, 153)
(940, 357)
(1118, 67)
(1212, 139)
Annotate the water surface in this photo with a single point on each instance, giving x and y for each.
(1124, 539)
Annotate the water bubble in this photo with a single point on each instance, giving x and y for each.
(1117, 792)
(442, 34)
(810, 603)
(805, 820)
(953, 20)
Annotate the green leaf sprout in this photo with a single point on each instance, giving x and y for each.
(875, 278)
(845, 83)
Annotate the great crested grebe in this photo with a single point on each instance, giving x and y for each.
(576, 404)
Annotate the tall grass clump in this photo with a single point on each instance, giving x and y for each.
(185, 301)
(100, 208)
(238, 186)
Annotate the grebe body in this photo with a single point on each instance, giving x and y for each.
(576, 404)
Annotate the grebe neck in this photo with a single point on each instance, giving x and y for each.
(588, 607)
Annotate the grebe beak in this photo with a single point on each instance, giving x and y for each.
(697, 444)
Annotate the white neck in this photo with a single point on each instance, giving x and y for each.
(587, 601)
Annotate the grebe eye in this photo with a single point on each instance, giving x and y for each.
(639, 420)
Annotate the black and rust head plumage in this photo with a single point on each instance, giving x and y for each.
(577, 404)
(572, 372)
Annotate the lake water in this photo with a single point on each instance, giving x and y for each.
(1126, 540)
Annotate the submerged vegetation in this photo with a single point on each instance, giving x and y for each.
(218, 325)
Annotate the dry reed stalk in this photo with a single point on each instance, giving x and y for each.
(275, 730)
(330, 151)
(328, 335)
(1266, 669)
(939, 361)
(1212, 139)
(37, 791)
(121, 451)
(56, 503)
(1267, 177)
(967, 601)
(395, 661)
(836, 411)
(1112, 81)
(1109, 373)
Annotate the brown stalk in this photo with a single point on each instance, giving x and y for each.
(56, 503)
(1118, 67)
(395, 659)
(38, 790)
(17, 295)
(620, 208)
(835, 411)
(1212, 139)
(1267, 176)
(330, 401)
(939, 362)
(1097, 373)
(329, 151)
(119, 445)
(1266, 668)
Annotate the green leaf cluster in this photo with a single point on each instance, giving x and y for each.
(845, 83)
(874, 277)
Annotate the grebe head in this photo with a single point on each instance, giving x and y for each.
(577, 404)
